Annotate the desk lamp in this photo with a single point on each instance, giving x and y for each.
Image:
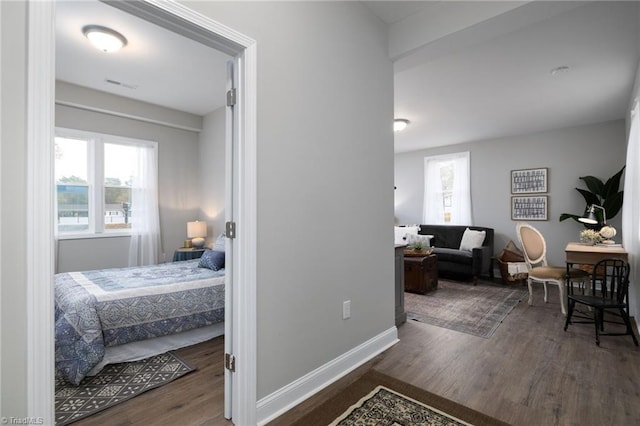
(590, 215)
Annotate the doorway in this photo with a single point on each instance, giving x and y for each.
(40, 126)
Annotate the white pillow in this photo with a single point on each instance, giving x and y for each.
(402, 231)
(416, 238)
(472, 239)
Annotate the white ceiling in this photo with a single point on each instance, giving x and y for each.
(156, 66)
(493, 79)
(483, 79)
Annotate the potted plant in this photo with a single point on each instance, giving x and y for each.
(605, 194)
(418, 246)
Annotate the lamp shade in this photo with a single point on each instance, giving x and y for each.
(590, 216)
(196, 229)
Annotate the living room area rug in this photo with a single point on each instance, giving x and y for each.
(116, 383)
(476, 310)
(378, 399)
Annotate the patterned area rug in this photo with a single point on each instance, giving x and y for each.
(114, 384)
(476, 310)
(383, 406)
(377, 399)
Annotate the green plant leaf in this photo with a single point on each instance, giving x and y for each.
(613, 204)
(565, 216)
(589, 197)
(613, 184)
(594, 184)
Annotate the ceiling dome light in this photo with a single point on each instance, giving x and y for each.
(559, 70)
(399, 124)
(104, 38)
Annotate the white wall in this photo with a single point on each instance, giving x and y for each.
(325, 180)
(178, 172)
(634, 290)
(597, 150)
(212, 172)
(13, 218)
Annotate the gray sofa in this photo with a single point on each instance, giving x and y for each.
(455, 262)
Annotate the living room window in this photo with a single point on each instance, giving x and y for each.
(447, 193)
(95, 175)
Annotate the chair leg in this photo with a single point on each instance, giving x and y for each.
(563, 298)
(572, 304)
(530, 292)
(544, 284)
(627, 322)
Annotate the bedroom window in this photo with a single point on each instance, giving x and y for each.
(94, 177)
(447, 189)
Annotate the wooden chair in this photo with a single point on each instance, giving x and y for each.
(612, 276)
(534, 249)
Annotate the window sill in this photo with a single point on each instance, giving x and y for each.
(91, 236)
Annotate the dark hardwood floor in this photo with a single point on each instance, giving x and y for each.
(530, 372)
(194, 399)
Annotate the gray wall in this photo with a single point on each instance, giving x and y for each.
(597, 150)
(179, 163)
(212, 173)
(325, 180)
(325, 185)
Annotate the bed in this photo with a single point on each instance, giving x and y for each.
(124, 314)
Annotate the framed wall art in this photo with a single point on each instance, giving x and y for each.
(529, 207)
(529, 181)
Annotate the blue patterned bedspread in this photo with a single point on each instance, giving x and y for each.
(109, 307)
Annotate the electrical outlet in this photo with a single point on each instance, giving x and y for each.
(346, 309)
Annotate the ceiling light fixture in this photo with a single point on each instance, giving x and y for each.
(399, 124)
(559, 70)
(104, 38)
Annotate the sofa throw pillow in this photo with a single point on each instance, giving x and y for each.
(402, 231)
(212, 259)
(416, 238)
(472, 239)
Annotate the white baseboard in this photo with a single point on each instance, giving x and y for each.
(295, 392)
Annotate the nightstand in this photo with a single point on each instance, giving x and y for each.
(184, 253)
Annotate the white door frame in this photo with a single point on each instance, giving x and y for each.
(40, 207)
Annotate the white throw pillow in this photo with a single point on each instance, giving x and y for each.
(417, 238)
(472, 239)
(402, 231)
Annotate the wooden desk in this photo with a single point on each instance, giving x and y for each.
(585, 254)
(577, 253)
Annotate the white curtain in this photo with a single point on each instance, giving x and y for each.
(631, 210)
(433, 209)
(461, 199)
(145, 221)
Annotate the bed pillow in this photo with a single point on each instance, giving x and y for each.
(415, 238)
(402, 231)
(219, 243)
(472, 239)
(212, 259)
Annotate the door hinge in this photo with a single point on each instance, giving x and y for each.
(231, 97)
(230, 230)
(230, 362)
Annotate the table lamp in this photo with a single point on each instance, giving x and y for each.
(590, 215)
(197, 231)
